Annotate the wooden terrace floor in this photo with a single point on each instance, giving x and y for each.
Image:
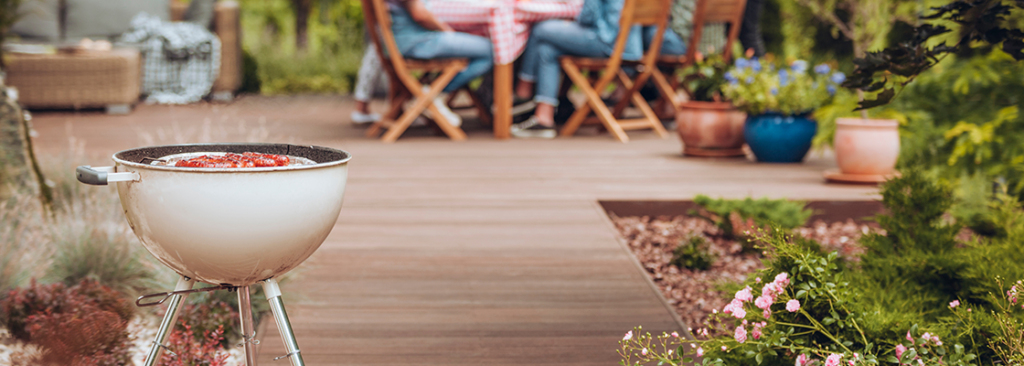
(482, 252)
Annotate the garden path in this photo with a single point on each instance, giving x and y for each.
(482, 252)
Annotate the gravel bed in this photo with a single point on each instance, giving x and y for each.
(694, 294)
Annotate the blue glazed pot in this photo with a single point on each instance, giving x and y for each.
(776, 138)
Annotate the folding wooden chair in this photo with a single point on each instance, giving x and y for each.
(708, 11)
(642, 12)
(403, 85)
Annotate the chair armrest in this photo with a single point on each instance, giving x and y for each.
(228, 28)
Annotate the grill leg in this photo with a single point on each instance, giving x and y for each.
(248, 333)
(284, 327)
(166, 325)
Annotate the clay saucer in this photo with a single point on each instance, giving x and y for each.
(837, 176)
(713, 153)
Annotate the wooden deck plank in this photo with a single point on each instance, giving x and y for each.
(480, 252)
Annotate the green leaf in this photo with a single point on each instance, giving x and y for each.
(801, 293)
(892, 359)
(759, 358)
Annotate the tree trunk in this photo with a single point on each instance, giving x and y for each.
(302, 10)
(19, 167)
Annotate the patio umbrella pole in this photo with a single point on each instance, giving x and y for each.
(273, 292)
(170, 317)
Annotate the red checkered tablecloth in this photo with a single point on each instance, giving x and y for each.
(505, 22)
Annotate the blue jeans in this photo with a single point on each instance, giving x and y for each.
(671, 44)
(477, 49)
(549, 40)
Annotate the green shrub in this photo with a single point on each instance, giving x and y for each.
(720, 212)
(693, 253)
(331, 60)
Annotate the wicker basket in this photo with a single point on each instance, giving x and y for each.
(76, 80)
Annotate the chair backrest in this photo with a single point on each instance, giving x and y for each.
(378, 25)
(717, 11)
(644, 13)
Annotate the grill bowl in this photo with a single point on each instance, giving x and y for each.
(232, 226)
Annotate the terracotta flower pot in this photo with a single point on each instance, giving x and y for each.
(866, 149)
(710, 129)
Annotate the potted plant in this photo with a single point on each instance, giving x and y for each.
(707, 124)
(779, 102)
(866, 148)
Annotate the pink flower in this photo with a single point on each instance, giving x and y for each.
(741, 334)
(629, 335)
(732, 304)
(833, 359)
(851, 362)
(793, 305)
(675, 334)
(771, 291)
(782, 279)
(763, 302)
(757, 331)
(700, 352)
(801, 360)
(954, 303)
(899, 350)
(644, 351)
(909, 338)
(757, 280)
(767, 314)
(744, 295)
(739, 313)
(724, 348)
(919, 362)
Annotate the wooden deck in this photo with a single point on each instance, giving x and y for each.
(482, 252)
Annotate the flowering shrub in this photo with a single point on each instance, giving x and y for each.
(757, 86)
(800, 317)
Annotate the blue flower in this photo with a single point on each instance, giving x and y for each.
(831, 89)
(755, 65)
(742, 63)
(838, 77)
(750, 79)
(822, 69)
(783, 77)
(730, 76)
(775, 91)
(799, 66)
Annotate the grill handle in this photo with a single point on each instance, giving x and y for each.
(100, 176)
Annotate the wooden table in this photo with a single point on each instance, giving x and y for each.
(507, 24)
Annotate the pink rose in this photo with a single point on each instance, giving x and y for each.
(741, 334)
(911, 339)
(700, 352)
(757, 331)
(801, 360)
(744, 295)
(644, 351)
(954, 303)
(724, 348)
(770, 290)
(763, 302)
(782, 279)
(675, 334)
(739, 313)
(899, 350)
(767, 314)
(833, 359)
(793, 305)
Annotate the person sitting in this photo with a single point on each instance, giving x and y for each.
(420, 35)
(592, 34)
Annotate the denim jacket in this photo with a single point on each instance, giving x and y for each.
(603, 15)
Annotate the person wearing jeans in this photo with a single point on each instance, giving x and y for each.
(592, 34)
(420, 35)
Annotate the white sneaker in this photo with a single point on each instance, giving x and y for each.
(440, 103)
(360, 118)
